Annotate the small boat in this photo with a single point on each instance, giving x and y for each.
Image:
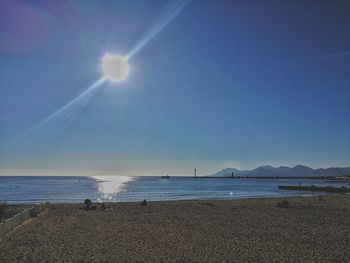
(165, 177)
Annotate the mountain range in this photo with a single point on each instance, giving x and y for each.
(298, 170)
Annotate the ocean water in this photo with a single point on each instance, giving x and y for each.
(74, 189)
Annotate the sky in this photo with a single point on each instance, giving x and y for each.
(217, 84)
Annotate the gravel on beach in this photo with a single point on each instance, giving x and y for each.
(253, 230)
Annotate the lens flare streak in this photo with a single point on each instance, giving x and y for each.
(169, 13)
(55, 122)
(64, 109)
(60, 118)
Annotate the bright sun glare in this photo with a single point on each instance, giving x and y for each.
(115, 67)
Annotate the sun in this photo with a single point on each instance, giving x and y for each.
(115, 67)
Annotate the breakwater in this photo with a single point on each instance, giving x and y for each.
(313, 188)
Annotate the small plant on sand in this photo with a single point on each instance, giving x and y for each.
(283, 204)
(88, 204)
(3, 208)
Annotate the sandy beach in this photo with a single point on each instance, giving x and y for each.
(252, 230)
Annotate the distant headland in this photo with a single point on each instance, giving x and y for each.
(295, 171)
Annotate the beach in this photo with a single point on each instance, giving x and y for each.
(252, 230)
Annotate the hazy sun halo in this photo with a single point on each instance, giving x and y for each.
(115, 67)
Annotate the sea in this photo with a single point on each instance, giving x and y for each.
(75, 189)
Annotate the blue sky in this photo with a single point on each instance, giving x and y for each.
(225, 83)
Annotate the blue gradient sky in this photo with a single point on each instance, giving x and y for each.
(226, 83)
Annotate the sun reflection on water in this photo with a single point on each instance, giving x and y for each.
(108, 186)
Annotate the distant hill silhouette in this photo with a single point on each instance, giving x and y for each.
(298, 170)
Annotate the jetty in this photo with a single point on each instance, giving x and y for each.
(329, 178)
(313, 188)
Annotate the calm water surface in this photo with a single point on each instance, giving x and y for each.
(73, 189)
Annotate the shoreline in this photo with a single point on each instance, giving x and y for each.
(306, 194)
